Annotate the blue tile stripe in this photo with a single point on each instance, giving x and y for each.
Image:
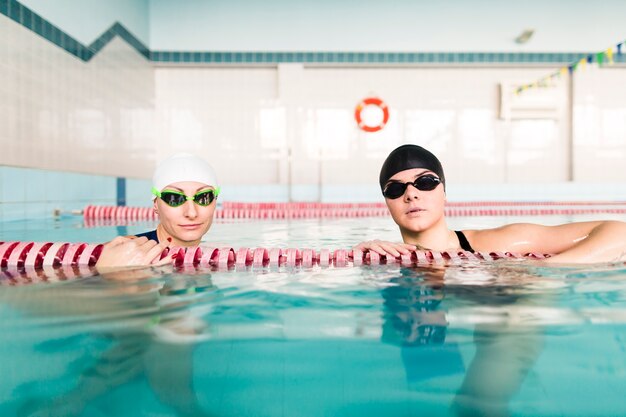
(370, 57)
(21, 14)
(24, 16)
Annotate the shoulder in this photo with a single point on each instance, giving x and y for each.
(507, 230)
(501, 239)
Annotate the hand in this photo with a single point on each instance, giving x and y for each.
(386, 248)
(130, 251)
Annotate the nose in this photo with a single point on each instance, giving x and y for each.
(190, 210)
(411, 193)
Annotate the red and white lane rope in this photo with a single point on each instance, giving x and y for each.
(119, 213)
(15, 257)
(94, 214)
(278, 205)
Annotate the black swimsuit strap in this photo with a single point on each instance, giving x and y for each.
(151, 235)
(465, 245)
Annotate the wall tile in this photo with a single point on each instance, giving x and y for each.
(36, 189)
(13, 185)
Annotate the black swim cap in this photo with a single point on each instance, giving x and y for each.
(408, 157)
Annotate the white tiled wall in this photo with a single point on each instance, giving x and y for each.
(68, 127)
(215, 112)
(600, 126)
(61, 113)
(295, 125)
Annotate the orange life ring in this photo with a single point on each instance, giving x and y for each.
(371, 101)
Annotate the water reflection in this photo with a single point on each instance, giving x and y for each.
(148, 332)
(449, 340)
(415, 319)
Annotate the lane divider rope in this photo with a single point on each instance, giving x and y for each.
(93, 214)
(64, 260)
(272, 205)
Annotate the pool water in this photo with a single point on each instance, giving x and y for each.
(481, 338)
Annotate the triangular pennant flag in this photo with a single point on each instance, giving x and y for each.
(582, 63)
(589, 59)
(600, 58)
(609, 55)
(619, 49)
(563, 71)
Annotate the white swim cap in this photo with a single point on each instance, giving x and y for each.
(183, 167)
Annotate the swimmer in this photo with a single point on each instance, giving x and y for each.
(413, 184)
(184, 195)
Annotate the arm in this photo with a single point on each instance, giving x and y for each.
(600, 241)
(606, 242)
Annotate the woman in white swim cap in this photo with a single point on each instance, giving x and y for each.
(184, 191)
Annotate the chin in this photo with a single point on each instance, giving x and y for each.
(417, 226)
(186, 236)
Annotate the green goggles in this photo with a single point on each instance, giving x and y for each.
(176, 198)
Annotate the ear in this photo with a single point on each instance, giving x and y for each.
(154, 206)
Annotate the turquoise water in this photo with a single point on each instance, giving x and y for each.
(485, 338)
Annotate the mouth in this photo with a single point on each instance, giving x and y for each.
(415, 210)
(190, 226)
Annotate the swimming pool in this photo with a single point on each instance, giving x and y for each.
(372, 340)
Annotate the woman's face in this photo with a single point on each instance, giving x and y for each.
(185, 224)
(416, 211)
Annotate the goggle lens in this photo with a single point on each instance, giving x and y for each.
(174, 199)
(423, 183)
(204, 198)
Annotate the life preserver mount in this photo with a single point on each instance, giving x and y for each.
(371, 101)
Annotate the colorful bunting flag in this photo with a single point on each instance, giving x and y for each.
(600, 58)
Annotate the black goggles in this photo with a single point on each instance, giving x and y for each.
(394, 190)
(175, 198)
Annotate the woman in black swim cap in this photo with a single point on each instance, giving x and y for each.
(413, 184)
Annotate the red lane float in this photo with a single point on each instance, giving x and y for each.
(112, 215)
